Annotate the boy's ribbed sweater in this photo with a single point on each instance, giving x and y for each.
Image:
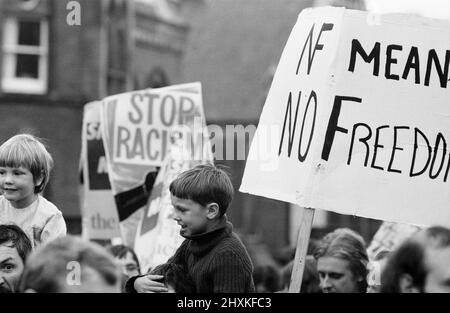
(217, 261)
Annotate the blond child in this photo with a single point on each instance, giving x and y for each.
(25, 166)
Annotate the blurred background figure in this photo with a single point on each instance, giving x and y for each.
(342, 262)
(15, 247)
(127, 260)
(70, 265)
(176, 278)
(310, 281)
(267, 278)
(421, 264)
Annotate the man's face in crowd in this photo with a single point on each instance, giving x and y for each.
(190, 215)
(336, 276)
(128, 265)
(437, 264)
(11, 267)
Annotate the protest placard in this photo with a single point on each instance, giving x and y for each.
(358, 118)
(139, 127)
(99, 213)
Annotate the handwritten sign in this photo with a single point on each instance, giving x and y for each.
(359, 118)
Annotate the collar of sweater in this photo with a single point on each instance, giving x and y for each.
(202, 243)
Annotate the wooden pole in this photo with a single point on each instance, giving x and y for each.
(306, 220)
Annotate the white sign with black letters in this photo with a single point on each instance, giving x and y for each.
(360, 111)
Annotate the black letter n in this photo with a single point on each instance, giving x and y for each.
(291, 132)
(318, 46)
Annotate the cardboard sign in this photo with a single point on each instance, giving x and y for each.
(139, 128)
(357, 120)
(99, 213)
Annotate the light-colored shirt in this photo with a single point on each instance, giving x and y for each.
(41, 220)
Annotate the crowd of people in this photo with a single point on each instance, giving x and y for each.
(36, 254)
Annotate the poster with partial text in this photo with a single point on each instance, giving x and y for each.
(99, 214)
(139, 129)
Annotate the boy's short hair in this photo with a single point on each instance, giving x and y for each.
(204, 184)
(14, 237)
(25, 150)
(46, 269)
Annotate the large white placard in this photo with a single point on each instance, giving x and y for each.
(357, 120)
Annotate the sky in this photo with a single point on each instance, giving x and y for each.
(428, 8)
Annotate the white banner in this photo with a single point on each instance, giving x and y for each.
(357, 120)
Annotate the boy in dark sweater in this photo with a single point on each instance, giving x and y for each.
(212, 253)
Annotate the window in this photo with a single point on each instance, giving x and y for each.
(25, 56)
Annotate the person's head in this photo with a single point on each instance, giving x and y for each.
(127, 259)
(310, 281)
(25, 166)
(15, 246)
(420, 264)
(342, 262)
(176, 278)
(70, 264)
(200, 196)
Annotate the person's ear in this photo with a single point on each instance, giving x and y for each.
(39, 180)
(406, 285)
(213, 210)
